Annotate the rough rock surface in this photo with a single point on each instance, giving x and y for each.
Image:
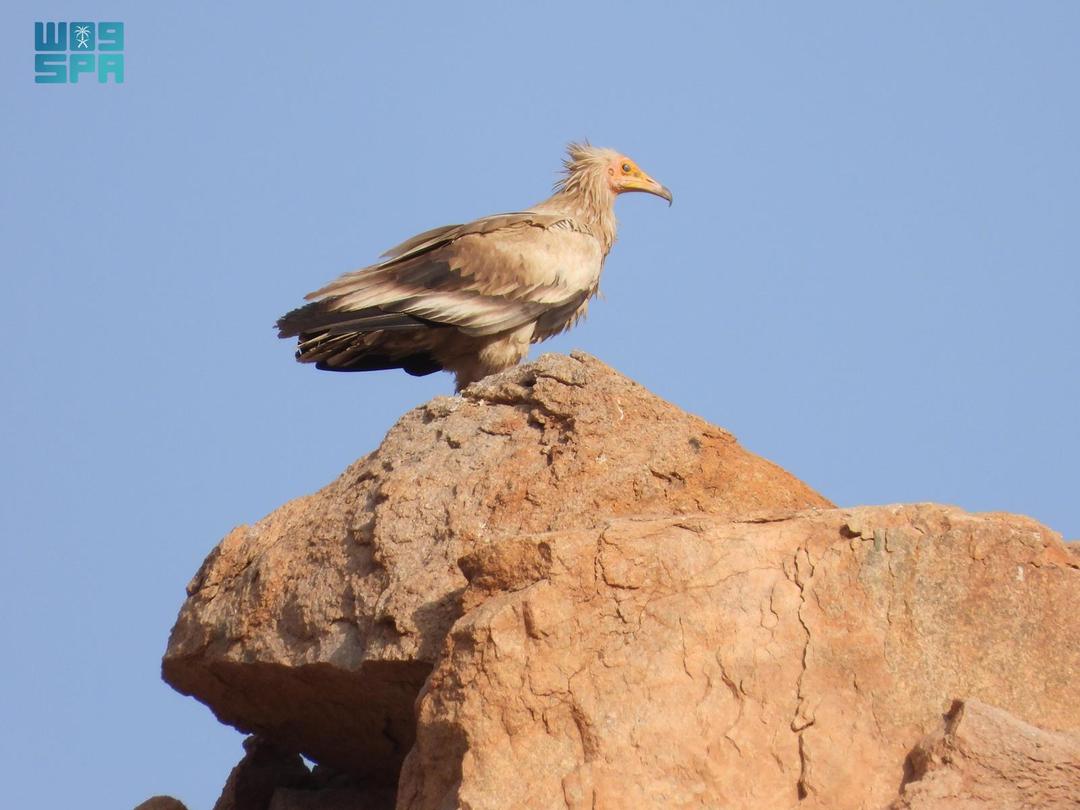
(983, 757)
(702, 662)
(265, 768)
(608, 604)
(317, 626)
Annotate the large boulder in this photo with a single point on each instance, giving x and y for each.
(559, 591)
(317, 626)
(699, 661)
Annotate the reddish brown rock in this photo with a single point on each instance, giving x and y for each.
(703, 662)
(623, 608)
(984, 757)
(317, 626)
(265, 768)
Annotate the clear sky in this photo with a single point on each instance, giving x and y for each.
(869, 275)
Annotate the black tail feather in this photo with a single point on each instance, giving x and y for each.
(418, 365)
(361, 340)
(318, 317)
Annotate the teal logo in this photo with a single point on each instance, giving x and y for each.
(64, 51)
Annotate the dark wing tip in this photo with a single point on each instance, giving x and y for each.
(418, 365)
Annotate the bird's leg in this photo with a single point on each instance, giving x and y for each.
(495, 354)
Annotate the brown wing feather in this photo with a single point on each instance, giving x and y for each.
(445, 289)
(448, 233)
(485, 277)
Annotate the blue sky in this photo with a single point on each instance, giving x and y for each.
(869, 275)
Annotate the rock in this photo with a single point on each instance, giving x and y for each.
(334, 799)
(161, 803)
(982, 757)
(558, 591)
(317, 626)
(700, 661)
(271, 778)
(265, 768)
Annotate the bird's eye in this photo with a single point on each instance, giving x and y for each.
(626, 168)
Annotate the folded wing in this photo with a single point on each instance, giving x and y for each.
(481, 279)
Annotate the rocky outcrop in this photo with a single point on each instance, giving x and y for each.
(317, 626)
(700, 661)
(558, 591)
(983, 757)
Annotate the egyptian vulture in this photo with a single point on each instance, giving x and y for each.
(471, 298)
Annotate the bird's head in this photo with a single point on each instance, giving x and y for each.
(625, 175)
(615, 170)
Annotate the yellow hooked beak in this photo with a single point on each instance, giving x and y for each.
(639, 181)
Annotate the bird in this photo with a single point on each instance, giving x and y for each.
(470, 299)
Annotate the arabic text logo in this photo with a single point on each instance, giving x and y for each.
(65, 51)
